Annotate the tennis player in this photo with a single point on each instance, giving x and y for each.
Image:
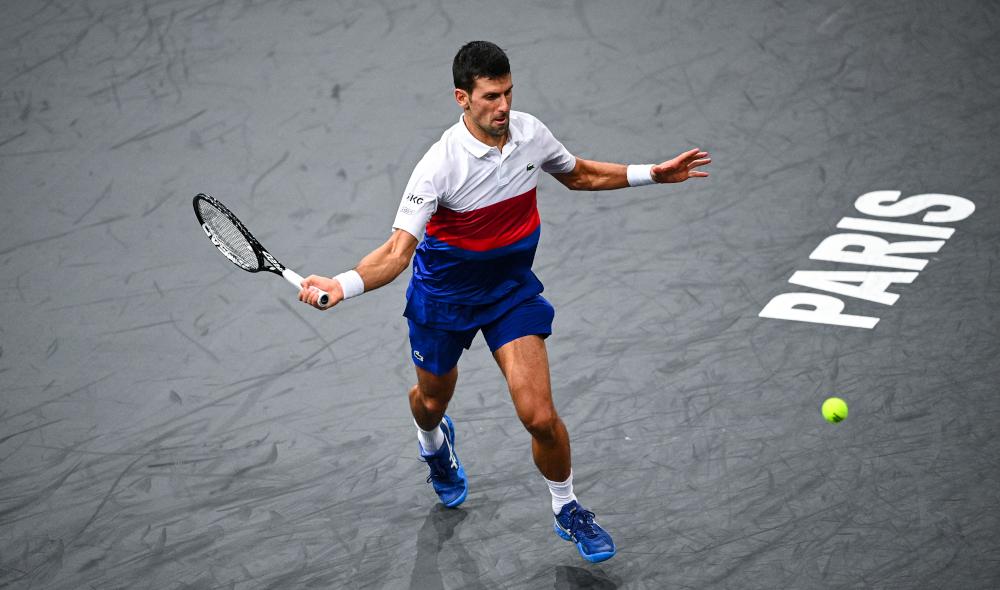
(468, 221)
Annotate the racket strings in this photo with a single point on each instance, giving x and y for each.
(230, 236)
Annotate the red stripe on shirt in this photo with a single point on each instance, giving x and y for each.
(491, 227)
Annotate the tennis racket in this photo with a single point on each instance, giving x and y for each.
(236, 243)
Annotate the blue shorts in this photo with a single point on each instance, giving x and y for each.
(437, 350)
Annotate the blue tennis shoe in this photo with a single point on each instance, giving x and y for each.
(575, 523)
(447, 475)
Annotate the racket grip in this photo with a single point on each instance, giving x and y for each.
(296, 279)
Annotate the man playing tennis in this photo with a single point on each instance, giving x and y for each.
(469, 222)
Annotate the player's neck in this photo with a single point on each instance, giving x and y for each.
(497, 141)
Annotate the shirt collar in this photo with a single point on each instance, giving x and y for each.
(478, 148)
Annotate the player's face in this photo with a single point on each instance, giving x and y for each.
(488, 107)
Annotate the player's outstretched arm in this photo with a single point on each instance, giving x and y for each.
(590, 175)
(377, 269)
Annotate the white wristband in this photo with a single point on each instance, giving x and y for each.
(350, 283)
(639, 174)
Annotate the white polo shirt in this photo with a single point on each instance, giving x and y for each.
(463, 174)
(473, 208)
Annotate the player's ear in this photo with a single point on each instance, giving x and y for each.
(462, 98)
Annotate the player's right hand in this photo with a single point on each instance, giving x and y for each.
(313, 284)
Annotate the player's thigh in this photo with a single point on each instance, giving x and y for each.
(517, 340)
(524, 363)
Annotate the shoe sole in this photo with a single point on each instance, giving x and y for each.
(592, 558)
(458, 500)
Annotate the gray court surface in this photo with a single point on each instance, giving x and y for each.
(169, 421)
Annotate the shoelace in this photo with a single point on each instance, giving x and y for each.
(436, 473)
(583, 522)
(440, 472)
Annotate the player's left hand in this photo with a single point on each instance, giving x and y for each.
(682, 167)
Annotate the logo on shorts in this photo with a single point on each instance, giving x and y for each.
(415, 199)
(530, 167)
(416, 354)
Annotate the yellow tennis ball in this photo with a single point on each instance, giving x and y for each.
(834, 410)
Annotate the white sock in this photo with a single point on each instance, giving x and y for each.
(430, 440)
(562, 493)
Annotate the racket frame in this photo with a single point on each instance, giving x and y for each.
(265, 260)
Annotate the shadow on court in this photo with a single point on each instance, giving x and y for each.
(438, 528)
(572, 577)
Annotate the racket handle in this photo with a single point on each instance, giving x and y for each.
(296, 279)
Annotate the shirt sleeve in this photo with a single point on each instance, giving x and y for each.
(419, 202)
(557, 157)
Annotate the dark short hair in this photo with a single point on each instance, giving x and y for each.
(478, 59)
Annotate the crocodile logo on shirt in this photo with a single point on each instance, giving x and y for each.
(531, 167)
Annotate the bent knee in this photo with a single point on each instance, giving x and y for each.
(431, 403)
(541, 422)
